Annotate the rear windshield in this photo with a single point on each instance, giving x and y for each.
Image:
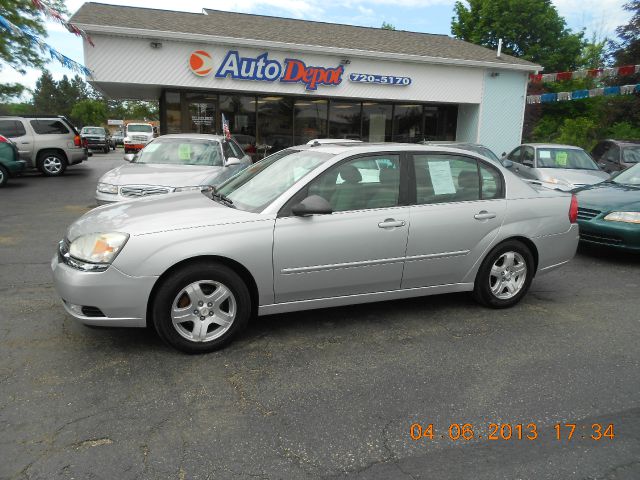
(93, 131)
(631, 154)
(182, 151)
(568, 158)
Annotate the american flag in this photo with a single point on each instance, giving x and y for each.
(225, 128)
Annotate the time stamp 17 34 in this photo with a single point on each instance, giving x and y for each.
(464, 432)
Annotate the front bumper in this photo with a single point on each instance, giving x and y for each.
(110, 298)
(620, 235)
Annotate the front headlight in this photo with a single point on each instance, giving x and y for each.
(98, 247)
(107, 188)
(199, 188)
(625, 217)
(126, 139)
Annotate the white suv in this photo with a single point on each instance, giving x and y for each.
(48, 143)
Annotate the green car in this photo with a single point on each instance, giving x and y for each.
(10, 166)
(609, 212)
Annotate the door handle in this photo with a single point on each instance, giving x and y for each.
(484, 215)
(391, 223)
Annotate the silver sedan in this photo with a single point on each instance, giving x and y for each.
(313, 227)
(173, 163)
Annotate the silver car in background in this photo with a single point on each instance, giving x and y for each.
(562, 167)
(313, 227)
(173, 163)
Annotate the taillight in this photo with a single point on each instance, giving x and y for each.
(77, 141)
(573, 209)
(250, 149)
(3, 139)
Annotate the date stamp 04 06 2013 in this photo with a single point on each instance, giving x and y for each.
(509, 431)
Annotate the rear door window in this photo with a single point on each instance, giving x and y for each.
(12, 128)
(49, 127)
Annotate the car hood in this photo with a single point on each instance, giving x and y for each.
(575, 177)
(608, 196)
(156, 214)
(159, 174)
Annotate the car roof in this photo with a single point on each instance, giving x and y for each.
(363, 147)
(200, 136)
(550, 145)
(623, 142)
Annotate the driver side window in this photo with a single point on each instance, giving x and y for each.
(362, 183)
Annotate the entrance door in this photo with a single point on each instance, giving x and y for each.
(202, 117)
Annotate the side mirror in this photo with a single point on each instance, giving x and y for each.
(129, 157)
(232, 161)
(507, 163)
(312, 205)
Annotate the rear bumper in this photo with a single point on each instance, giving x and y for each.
(15, 168)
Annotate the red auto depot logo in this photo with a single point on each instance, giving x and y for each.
(201, 63)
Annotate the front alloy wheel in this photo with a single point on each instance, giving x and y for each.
(200, 307)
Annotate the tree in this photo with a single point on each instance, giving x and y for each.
(10, 90)
(627, 51)
(387, 26)
(594, 53)
(45, 95)
(530, 29)
(19, 51)
(90, 112)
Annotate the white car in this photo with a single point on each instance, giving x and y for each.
(173, 163)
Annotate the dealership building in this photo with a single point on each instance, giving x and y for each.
(281, 82)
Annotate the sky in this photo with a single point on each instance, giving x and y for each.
(430, 16)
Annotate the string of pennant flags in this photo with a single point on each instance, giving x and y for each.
(44, 47)
(581, 94)
(57, 16)
(623, 71)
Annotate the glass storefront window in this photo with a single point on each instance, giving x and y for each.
(201, 113)
(240, 112)
(376, 122)
(310, 120)
(407, 124)
(344, 119)
(275, 123)
(173, 112)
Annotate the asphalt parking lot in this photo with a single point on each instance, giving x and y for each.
(327, 393)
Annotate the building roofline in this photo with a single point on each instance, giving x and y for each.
(320, 49)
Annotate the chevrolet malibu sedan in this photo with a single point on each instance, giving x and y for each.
(609, 212)
(561, 167)
(173, 163)
(313, 227)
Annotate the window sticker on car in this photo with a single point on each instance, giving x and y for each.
(184, 152)
(441, 178)
(561, 159)
(544, 154)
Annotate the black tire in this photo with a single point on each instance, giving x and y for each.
(51, 163)
(106, 149)
(4, 176)
(203, 274)
(483, 292)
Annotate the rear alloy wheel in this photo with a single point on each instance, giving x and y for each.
(4, 176)
(505, 275)
(199, 309)
(52, 164)
(106, 149)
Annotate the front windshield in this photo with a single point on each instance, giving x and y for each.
(93, 131)
(631, 154)
(568, 158)
(182, 151)
(140, 128)
(257, 186)
(630, 176)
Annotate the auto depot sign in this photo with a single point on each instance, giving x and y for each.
(265, 69)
